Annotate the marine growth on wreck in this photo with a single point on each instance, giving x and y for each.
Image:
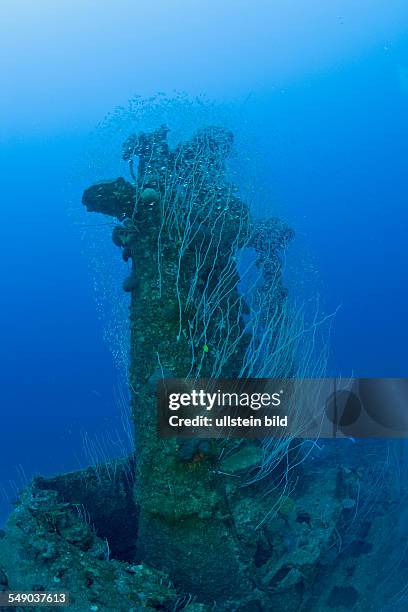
(201, 525)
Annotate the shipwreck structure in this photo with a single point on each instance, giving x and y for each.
(183, 227)
(196, 525)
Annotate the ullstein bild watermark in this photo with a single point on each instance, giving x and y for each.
(302, 408)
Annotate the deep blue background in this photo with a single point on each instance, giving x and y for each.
(329, 97)
(340, 167)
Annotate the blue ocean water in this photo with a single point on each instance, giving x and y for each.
(327, 92)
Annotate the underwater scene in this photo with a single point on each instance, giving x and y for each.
(204, 390)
